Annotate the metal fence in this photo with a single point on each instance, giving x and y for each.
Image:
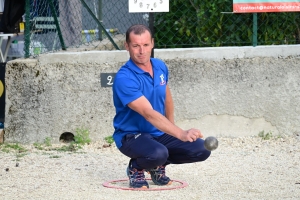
(83, 25)
(203, 23)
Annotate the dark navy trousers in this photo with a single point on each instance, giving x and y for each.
(148, 152)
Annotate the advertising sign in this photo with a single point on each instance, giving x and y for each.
(255, 6)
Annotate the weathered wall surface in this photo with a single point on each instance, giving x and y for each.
(221, 91)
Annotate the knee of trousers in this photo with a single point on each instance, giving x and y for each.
(199, 155)
(205, 154)
(158, 157)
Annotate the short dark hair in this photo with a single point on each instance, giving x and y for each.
(137, 29)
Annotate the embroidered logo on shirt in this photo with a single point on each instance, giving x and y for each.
(162, 81)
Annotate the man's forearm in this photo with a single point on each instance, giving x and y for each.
(169, 106)
(164, 124)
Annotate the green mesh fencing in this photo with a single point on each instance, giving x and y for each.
(195, 23)
(84, 25)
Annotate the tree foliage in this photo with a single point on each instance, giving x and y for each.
(202, 23)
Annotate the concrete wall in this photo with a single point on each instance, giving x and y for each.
(230, 91)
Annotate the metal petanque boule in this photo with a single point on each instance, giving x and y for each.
(211, 143)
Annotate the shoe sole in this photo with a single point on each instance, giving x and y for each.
(143, 187)
(156, 183)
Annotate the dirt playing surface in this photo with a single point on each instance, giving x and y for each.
(241, 168)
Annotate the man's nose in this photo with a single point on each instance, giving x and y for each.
(141, 49)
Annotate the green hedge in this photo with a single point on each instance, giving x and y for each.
(202, 23)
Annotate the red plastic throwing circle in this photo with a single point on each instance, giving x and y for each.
(176, 184)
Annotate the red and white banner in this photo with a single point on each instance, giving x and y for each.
(254, 6)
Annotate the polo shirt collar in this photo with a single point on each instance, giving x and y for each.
(135, 68)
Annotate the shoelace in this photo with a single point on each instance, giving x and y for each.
(160, 170)
(139, 175)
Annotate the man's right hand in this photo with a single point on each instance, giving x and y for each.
(191, 135)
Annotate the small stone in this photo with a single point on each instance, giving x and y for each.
(106, 145)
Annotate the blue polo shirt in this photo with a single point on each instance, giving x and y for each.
(130, 83)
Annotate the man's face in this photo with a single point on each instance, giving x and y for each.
(140, 47)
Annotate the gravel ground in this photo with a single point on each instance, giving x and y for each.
(241, 168)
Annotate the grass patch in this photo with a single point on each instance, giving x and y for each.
(16, 148)
(54, 156)
(44, 145)
(109, 139)
(265, 136)
(6, 147)
(38, 146)
(47, 142)
(81, 138)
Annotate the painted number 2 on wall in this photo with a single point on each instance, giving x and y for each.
(107, 79)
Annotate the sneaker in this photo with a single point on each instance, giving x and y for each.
(136, 178)
(158, 176)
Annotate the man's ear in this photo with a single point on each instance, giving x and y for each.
(152, 42)
(126, 46)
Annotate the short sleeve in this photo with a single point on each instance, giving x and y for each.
(126, 89)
